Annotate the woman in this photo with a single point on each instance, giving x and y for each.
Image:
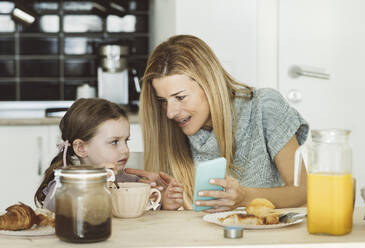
(192, 110)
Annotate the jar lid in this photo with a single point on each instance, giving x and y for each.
(81, 173)
(233, 232)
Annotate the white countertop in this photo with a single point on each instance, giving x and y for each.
(187, 229)
(133, 118)
(34, 112)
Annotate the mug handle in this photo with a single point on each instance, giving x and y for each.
(154, 204)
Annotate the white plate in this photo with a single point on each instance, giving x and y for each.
(213, 218)
(35, 231)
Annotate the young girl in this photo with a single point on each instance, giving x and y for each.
(95, 132)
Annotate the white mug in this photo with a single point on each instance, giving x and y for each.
(132, 199)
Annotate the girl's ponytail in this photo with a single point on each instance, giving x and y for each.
(62, 159)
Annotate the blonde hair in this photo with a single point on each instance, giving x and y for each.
(166, 147)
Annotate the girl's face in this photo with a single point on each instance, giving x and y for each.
(184, 101)
(109, 145)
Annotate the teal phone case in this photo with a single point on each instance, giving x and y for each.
(204, 171)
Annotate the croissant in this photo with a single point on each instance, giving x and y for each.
(45, 220)
(18, 217)
(264, 209)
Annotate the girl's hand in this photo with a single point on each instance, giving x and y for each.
(172, 196)
(231, 198)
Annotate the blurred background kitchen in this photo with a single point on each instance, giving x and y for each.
(52, 52)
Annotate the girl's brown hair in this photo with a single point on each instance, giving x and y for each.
(190, 56)
(80, 122)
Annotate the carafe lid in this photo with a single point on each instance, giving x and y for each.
(331, 135)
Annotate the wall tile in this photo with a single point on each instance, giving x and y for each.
(7, 91)
(7, 68)
(39, 68)
(33, 91)
(79, 68)
(34, 46)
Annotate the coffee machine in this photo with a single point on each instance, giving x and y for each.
(114, 74)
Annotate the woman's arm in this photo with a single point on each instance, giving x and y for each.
(288, 195)
(282, 197)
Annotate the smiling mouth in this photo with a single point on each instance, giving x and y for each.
(184, 122)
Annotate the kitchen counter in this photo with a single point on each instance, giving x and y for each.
(133, 118)
(187, 229)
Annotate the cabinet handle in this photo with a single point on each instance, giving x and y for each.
(40, 152)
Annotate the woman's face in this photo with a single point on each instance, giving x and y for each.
(184, 101)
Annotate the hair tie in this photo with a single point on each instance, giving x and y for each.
(62, 147)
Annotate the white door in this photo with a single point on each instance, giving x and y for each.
(330, 36)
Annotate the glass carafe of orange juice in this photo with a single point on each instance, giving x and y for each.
(328, 160)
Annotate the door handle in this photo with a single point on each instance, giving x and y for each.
(308, 71)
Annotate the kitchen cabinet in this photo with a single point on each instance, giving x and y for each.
(26, 152)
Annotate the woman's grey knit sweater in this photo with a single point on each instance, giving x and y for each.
(265, 125)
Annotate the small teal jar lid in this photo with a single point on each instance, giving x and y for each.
(233, 232)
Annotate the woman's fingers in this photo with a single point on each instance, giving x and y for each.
(179, 201)
(175, 189)
(142, 173)
(214, 193)
(216, 203)
(152, 183)
(219, 182)
(224, 200)
(218, 209)
(167, 178)
(162, 180)
(174, 195)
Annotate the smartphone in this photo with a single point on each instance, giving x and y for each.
(204, 171)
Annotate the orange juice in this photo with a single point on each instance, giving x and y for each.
(330, 203)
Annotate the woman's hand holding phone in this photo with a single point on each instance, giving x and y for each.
(204, 172)
(229, 199)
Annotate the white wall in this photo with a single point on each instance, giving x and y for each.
(229, 28)
(267, 43)
(162, 22)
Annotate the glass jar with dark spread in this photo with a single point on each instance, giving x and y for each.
(82, 204)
